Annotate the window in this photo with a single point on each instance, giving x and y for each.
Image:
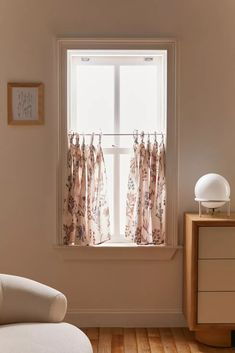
(117, 91)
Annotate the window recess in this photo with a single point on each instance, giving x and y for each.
(118, 91)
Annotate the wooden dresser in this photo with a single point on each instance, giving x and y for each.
(209, 278)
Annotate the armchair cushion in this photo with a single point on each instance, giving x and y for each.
(24, 300)
(43, 338)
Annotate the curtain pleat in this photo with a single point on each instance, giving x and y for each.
(132, 193)
(102, 215)
(86, 210)
(146, 196)
(161, 194)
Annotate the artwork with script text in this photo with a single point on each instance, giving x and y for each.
(25, 103)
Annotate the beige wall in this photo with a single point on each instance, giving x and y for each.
(149, 291)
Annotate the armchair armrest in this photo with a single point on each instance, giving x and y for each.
(24, 300)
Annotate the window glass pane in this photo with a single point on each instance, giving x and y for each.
(94, 100)
(124, 173)
(109, 171)
(141, 99)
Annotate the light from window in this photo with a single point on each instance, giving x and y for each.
(117, 92)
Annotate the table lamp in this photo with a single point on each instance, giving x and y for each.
(212, 191)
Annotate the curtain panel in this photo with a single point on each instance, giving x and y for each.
(86, 218)
(146, 195)
(86, 210)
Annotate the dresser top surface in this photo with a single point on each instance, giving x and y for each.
(219, 217)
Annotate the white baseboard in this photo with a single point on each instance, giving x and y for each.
(108, 318)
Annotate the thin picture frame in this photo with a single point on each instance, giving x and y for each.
(25, 102)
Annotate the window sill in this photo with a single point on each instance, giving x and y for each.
(117, 251)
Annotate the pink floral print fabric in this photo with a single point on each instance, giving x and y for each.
(146, 195)
(86, 211)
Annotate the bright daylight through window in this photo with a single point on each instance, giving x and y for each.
(117, 92)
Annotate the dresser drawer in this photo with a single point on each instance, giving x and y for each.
(216, 307)
(216, 242)
(216, 275)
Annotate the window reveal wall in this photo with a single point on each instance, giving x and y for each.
(108, 81)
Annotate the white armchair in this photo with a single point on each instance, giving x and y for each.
(30, 319)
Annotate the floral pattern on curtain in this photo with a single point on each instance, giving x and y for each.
(146, 195)
(86, 211)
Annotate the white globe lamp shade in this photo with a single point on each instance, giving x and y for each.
(212, 190)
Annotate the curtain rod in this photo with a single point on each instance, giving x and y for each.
(133, 134)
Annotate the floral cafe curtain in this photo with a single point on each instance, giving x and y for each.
(86, 210)
(146, 195)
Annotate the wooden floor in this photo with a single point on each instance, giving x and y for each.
(147, 340)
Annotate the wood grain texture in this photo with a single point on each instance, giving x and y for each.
(168, 341)
(190, 271)
(105, 340)
(142, 340)
(130, 344)
(147, 340)
(194, 226)
(179, 340)
(117, 344)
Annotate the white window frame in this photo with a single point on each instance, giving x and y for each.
(63, 45)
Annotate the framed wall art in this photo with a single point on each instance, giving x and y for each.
(25, 103)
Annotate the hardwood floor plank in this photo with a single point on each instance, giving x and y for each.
(94, 344)
(153, 332)
(167, 340)
(117, 345)
(181, 343)
(142, 341)
(147, 340)
(92, 333)
(130, 344)
(155, 340)
(105, 340)
(193, 345)
(117, 331)
(196, 347)
(156, 345)
(188, 334)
